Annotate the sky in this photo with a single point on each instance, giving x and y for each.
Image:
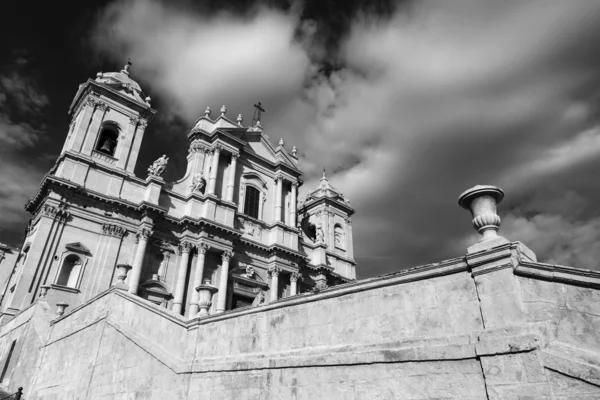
(406, 104)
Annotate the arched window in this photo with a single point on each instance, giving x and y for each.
(338, 233)
(69, 271)
(107, 141)
(251, 205)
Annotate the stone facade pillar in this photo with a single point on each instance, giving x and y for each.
(231, 177)
(184, 248)
(274, 272)
(222, 300)
(136, 270)
(212, 182)
(202, 249)
(81, 126)
(279, 193)
(293, 204)
(294, 283)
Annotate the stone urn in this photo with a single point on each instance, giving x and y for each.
(205, 295)
(482, 201)
(122, 270)
(60, 309)
(44, 291)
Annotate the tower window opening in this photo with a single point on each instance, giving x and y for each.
(252, 202)
(69, 271)
(107, 141)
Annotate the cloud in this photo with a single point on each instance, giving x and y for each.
(21, 130)
(23, 95)
(424, 104)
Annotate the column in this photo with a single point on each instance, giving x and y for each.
(222, 300)
(293, 201)
(274, 272)
(212, 182)
(294, 283)
(184, 248)
(136, 270)
(278, 198)
(231, 177)
(202, 249)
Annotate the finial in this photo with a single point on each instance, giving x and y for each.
(294, 151)
(99, 75)
(223, 110)
(239, 119)
(324, 175)
(482, 200)
(207, 112)
(281, 142)
(125, 69)
(148, 99)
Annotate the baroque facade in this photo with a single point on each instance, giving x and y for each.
(102, 300)
(232, 221)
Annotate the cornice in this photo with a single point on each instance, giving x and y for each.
(93, 86)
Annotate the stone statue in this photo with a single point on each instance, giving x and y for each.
(259, 300)
(198, 182)
(320, 233)
(159, 166)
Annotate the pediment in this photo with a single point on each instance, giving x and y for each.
(78, 248)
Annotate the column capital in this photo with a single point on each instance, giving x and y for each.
(202, 247)
(295, 184)
(235, 156)
(226, 256)
(184, 247)
(144, 233)
(217, 148)
(274, 271)
(134, 120)
(114, 230)
(295, 277)
(278, 178)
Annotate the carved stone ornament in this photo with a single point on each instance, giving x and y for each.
(295, 277)
(198, 182)
(203, 248)
(250, 271)
(184, 247)
(159, 166)
(102, 106)
(226, 256)
(274, 271)
(217, 148)
(320, 233)
(114, 230)
(143, 124)
(250, 228)
(133, 120)
(144, 233)
(197, 147)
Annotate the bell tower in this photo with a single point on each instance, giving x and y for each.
(109, 117)
(327, 227)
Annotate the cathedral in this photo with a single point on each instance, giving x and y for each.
(233, 222)
(224, 284)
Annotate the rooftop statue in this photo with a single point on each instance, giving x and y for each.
(159, 166)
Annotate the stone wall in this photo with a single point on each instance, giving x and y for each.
(429, 332)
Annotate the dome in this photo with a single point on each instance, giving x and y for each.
(325, 189)
(121, 82)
